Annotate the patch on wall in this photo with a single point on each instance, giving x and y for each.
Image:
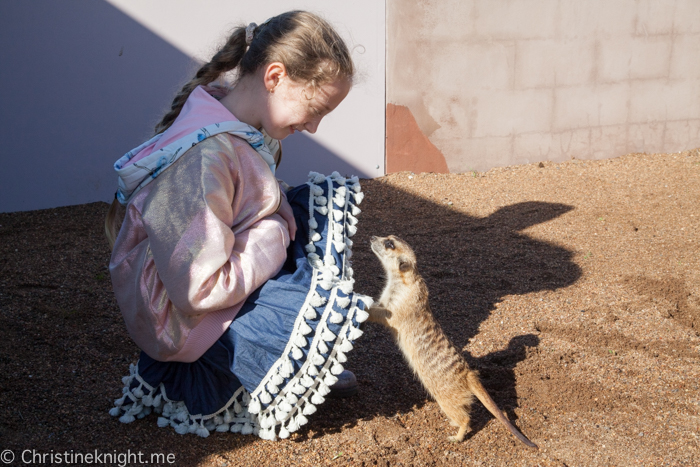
(407, 148)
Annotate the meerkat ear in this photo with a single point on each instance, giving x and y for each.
(404, 265)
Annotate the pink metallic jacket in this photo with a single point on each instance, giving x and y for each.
(197, 241)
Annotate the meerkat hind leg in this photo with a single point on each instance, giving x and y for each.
(459, 418)
(459, 437)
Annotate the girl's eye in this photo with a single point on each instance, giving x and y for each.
(315, 111)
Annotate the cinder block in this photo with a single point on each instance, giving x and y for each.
(646, 137)
(572, 144)
(685, 58)
(455, 114)
(660, 100)
(516, 19)
(508, 113)
(597, 18)
(687, 17)
(409, 66)
(614, 56)
(549, 63)
(654, 17)
(622, 58)
(480, 154)
(461, 68)
(651, 57)
(534, 147)
(589, 106)
(608, 141)
(443, 20)
(682, 135)
(557, 147)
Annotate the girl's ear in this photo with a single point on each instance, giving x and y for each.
(274, 73)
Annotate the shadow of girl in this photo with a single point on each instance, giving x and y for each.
(469, 264)
(497, 372)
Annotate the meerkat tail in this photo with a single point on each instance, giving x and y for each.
(479, 391)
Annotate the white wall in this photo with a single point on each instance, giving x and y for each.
(84, 81)
(198, 28)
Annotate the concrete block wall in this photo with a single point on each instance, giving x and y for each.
(502, 82)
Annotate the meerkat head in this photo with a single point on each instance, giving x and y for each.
(395, 254)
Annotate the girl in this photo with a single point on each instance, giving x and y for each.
(238, 292)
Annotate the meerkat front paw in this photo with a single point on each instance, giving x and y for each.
(378, 314)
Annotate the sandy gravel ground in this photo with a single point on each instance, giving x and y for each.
(573, 288)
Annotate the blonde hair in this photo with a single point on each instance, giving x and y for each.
(310, 49)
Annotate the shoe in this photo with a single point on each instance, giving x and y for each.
(346, 386)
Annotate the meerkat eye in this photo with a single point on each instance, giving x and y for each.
(388, 244)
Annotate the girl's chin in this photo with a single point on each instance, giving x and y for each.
(283, 134)
(279, 134)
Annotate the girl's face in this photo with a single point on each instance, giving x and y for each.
(296, 107)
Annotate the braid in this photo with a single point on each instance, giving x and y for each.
(226, 59)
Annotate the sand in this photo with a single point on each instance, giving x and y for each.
(573, 288)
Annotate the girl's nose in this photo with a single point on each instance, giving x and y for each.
(312, 126)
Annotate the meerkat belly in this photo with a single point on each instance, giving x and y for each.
(432, 357)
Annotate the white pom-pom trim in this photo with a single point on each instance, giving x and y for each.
(336, 318)
(318, 399)
(318, 360)
(264, 397)
(327, 335)
(346, 346)
(322, 347)
(361, 315)
(310, 313)
(330, 379)
(354, 333)
(254, 406)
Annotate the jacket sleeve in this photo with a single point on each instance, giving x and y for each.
(190, 219)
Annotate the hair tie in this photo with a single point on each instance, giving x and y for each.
(249, 31)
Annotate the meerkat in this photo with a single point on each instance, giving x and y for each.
(403, 308)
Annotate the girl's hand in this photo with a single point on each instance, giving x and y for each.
(285, 210)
